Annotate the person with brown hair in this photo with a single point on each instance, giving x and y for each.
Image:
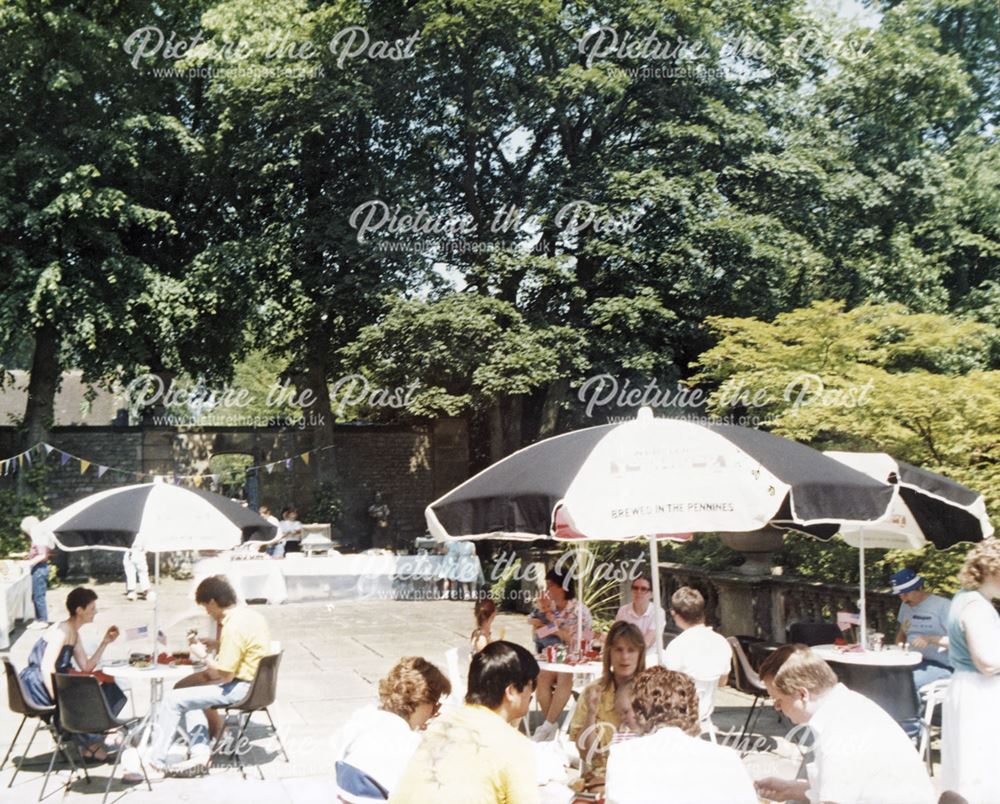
(485, 612)
(377, 742)
(668, 763)
(597, 718)
(861, 754)
(969, 760)
(642, 613)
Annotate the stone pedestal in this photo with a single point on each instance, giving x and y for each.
(757, 546)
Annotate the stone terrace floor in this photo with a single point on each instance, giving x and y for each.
(334, 654)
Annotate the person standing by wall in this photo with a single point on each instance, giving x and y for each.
(42, 545)
(136, 569)
(291, 529)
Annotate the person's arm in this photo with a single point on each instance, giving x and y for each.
(89, 663)
(782, 789)
(53, 646)
(220, 670)
(900, 635)
(583, 729)
(982, 632)
(928, 639)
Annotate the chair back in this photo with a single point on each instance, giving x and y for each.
(81, 705)
(457, 663)
(746, 677)
(814, 633)
(18, 701)
(264, 688)
(892, 688)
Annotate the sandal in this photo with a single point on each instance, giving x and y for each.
(94, 751)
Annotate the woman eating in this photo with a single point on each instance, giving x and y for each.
(559, 616)
(603, 703)
(58, 649)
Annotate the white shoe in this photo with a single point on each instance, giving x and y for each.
(545, 732)
(131, 596)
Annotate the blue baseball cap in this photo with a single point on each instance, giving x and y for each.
(906, 580)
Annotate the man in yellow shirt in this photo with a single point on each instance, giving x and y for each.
(475, 754)
(245, 639)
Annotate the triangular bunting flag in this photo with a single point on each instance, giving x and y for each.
(269, 467)
(48, 448)
(101, 470)
(305, 458)
(197, 481)
(215, 478)
(288, 463)
(20, 459)
(84, 466)
(63, 458)
(27, 457)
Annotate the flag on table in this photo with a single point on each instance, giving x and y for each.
(133, 634)
(161, 637)
(846, 619)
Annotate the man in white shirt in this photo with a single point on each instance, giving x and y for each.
(642, 613)
(861, 754)
(923, 622)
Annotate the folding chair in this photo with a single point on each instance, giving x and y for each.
(262, 694)
(747, 681)
(932, 695)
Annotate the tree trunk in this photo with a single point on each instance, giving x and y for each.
(496, 432)
(555, 395)
(39, 411)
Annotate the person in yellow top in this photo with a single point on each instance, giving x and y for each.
(244, 639)
(598, 714)
(475, 754)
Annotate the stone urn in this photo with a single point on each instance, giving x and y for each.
(757, 547)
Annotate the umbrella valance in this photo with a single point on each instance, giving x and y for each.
(651, 476)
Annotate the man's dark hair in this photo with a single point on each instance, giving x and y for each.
(496, 667)
(79, 598)
(216, 588)
(561, 579)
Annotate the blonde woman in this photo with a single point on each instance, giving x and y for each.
(969, 757)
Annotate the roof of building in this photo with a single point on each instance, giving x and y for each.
(71, 405)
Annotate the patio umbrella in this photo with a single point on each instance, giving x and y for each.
(656, 476)
(929, 509)
(158, 517)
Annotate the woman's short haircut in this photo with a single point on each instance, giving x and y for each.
(622, 630)
(412, 682)
(689, 604)
(795, 667)
(215, 588)
(560, 579)
(79, 598)
(662, 697)
(495, 668)
(981, 562)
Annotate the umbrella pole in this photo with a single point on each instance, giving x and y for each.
(654, 578)
(156, 605)
(863, 617)
(579, 596)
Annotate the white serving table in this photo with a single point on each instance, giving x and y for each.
(15, 604)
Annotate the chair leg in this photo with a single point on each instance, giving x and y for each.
(111, 776)
(57, 750)
(19, 765)
(746, 725)
(14, 741)
(274, 728)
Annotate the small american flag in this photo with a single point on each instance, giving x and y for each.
(133, 634)
(846, 619)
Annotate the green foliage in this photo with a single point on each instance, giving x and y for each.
(706, 551)
(15, 506)
(505, 590)
(327, 505)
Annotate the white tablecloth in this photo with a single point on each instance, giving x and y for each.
(340, 577)
(15, 604)
(871, 658)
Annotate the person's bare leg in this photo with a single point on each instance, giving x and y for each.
(564, 689)
(215, 723)
(543, 689)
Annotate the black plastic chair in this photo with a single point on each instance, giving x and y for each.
(746, 680)
(259, 697)
(892, 688)
(812, 634)
(83, 709)
(21, 704)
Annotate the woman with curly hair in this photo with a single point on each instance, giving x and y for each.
(668, 763)
(377, 743)
(969, 763)
(601, 708)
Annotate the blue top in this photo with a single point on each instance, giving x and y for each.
(31, 676)
(958, 647)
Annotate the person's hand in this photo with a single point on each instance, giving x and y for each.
(198, 651)
(919, 642)
(775, 789)
(111, 634)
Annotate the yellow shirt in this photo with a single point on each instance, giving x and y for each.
(470, 755)
(606, 724)
(245, 639)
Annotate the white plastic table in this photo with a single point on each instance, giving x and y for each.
(156, 675)
(890, 657)
(592, 669)
(15, 604)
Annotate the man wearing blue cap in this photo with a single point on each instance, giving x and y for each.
(923, 622)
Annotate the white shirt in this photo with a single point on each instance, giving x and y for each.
(670, 767)
(700, 653)
(927, 618)
(862, 755)
(646, 622)
(378, 743)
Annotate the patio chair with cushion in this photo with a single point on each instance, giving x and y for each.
(261, 695)
(83, 709)
(21, 704)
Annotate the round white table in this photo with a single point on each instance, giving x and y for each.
(581, 668)
(156, 675)
(890, 657)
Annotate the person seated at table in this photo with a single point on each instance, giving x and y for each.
(377, 743)
(600, 709)
(861, 754)
(56, 651)
(291, 532)
(475, 753)
(485, 612)
(560, 615)
(243, 641)
(667, 762)
(697, 651)
(923, 622)
(642, 613)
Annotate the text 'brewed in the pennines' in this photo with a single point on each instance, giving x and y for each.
(671, 508)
